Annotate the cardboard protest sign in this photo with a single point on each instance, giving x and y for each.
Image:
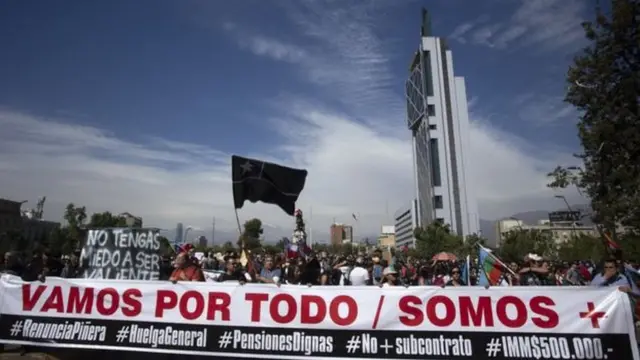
(121, 253)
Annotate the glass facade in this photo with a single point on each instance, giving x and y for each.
(418, 86)
(424, 175)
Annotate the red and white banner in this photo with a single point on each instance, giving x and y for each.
(336, 322)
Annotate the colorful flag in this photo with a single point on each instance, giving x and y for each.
(464, 271)
(491, 270)
(611, 245)
(182, 248)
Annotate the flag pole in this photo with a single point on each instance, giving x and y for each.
(239, 228)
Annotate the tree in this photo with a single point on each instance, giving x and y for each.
(435, 238)
(106, 220)
(604, 83)
(518, 243)
(250, 238)
(73, 232)
(581, 247)
(165, 245)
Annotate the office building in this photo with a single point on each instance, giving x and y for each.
(438, 119)
(348, 234)
(202, 242)
(131, 220)
(406, 221)
(24, 226)
(560, 232)
(387, 237)
(179, 233)
(341, 234)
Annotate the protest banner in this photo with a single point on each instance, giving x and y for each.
(299, 322)
(121, 253)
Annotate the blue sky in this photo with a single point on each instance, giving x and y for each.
(137, 105)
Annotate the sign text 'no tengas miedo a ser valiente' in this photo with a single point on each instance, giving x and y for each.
(121, 253)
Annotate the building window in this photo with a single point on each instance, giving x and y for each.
(431, 110)
(440, 220)
(435, 162)
(428, 75)
(432, 126)
(437, 202)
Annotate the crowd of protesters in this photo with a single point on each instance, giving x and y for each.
(331, 269)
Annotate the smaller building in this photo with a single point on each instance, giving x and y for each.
(341, 234)
(560, 232)
(202, 242)
(348, 234)
(406, 221)
(336, 233)
(37, 231)
(132, 221)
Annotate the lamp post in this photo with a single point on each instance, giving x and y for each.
(186, 231)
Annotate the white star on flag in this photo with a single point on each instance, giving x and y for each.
(246, 167)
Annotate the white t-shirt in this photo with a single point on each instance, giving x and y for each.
(344, 270)
(358, 276)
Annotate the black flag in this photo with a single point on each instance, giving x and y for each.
(256, 180)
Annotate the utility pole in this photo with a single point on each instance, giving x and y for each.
(213, 231)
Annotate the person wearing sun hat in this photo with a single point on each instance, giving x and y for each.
(390, 276)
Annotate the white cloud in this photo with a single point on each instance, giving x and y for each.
(359, 159)
(352, 168)
(346, 59)
(544, 110)
(547, 24)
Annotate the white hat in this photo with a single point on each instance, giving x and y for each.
(534, 257)
(389, 270)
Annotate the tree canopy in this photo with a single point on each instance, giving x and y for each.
(250, 237)
(604, 85)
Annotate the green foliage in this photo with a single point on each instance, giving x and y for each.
(630, 245)
(437, 237)
(250, 238)
(106, 220)
(582, 247)
(518, 243)
(165, 245)
(604, 83)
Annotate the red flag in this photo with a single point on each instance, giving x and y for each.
(612, 245)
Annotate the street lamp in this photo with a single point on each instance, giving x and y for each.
(186, 231)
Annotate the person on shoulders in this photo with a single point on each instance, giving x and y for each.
(186, 269)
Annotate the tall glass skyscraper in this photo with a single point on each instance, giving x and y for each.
(438, 119)
(179, 233)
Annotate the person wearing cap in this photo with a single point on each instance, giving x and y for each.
(390, 277)
(532, 273)
(359, 276)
